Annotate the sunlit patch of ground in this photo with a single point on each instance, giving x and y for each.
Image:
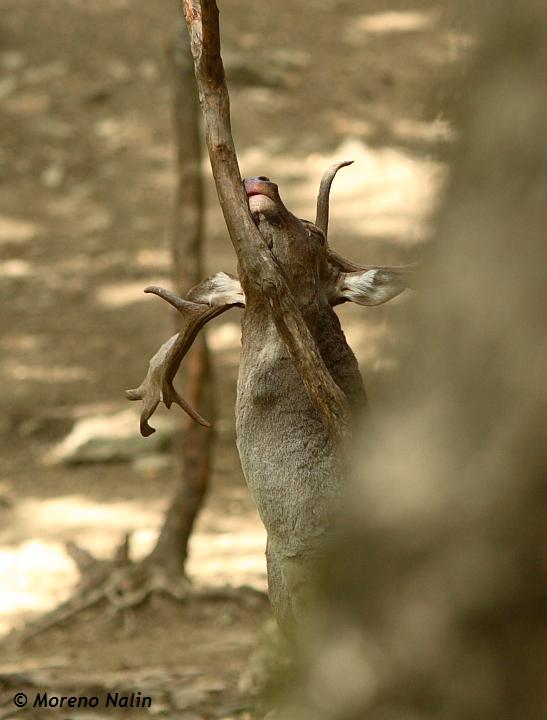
(26, 588)
(154, 258)
(225, 341)
(226, 550)
(113, 295)
(381, 23)
(34, 541)
(21, 342)
(45, 373)
(16, 230)
(15, 268)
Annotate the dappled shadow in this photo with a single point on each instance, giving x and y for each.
(225, 551)
(85, 218)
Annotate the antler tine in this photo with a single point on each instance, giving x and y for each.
(150, 390)
(322, 221)
(153, 388)
(322, 215)
(176, 301)
(158, 383)
(196, 315)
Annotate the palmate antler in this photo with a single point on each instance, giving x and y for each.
(203, 302)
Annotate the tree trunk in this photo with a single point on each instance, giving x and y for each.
(435, 606)
(194, 451)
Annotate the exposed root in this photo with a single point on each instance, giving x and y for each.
(122, 586)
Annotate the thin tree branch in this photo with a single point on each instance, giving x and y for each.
(255, 259)
(187, 245)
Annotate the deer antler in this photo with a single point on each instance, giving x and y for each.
(403, 272)
(203, 302)
(322, 215)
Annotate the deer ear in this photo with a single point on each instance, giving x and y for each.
(219, 289)
(371, 286)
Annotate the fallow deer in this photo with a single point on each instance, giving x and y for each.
(290, 463)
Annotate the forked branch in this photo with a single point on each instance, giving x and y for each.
(255, 259)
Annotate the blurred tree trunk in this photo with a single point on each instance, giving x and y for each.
(187, 247)
(435, 606)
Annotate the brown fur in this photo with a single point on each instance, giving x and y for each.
(287, 456)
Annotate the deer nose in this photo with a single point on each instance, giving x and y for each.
(263, 177)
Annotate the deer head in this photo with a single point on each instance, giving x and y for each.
(316, 276)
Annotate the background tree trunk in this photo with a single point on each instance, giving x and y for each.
(194, 449)
(434, 605)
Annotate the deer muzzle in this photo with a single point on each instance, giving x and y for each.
(263, 194)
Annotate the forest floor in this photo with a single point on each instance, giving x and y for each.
(84, 224)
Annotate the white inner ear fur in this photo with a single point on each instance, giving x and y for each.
(371, 287)
(225, 290)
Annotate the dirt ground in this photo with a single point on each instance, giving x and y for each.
(86, 198)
